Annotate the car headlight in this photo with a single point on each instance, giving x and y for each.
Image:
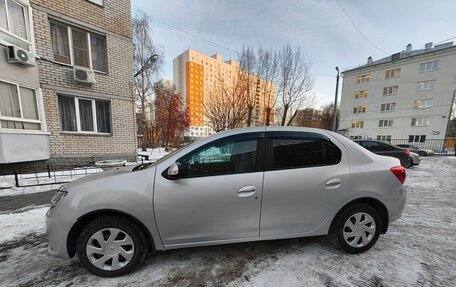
(58, 196)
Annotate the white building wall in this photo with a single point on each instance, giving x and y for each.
(402, 116)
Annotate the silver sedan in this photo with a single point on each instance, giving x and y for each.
(262, 183)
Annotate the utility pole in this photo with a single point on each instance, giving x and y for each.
(335, 102)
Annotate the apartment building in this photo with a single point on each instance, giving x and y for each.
(407, 95)
(195, 76)
(66, 72)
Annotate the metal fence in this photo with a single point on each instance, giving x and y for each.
(438, 146)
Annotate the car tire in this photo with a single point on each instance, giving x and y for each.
(422, 153)
(357, 228)
(409, 163)
(111, 246)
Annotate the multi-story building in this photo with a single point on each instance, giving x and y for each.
(195, 74)
(407, 95)
(309, 117)
(65, 86)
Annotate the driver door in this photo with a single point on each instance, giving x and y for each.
(218, 197)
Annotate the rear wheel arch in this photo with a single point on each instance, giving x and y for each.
(85, 219)
(374, 203)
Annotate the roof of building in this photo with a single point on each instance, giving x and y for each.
(407, 53)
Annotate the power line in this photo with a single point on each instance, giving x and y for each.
(359, 30)
(454, 37)
(193, 35)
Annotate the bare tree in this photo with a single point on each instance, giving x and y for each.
(267, 69)
(225, 103)
(327, 116)
(170, 116)
(144, 48)
(294, 83)
(248, 64)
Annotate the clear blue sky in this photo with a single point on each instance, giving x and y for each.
(319, 27)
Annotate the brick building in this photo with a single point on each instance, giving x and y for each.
(74, 99)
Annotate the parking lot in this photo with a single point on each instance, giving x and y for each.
(418, 250)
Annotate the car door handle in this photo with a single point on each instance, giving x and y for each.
(333, 183)
(246, 191)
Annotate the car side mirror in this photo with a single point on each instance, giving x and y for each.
(175, 170)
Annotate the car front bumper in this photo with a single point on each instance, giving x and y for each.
(58, 226)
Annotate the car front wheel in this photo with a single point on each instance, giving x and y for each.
(358, 228)
(111, 246)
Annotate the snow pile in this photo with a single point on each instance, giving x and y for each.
(16, 225)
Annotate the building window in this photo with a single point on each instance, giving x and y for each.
(394, 73)
(422, 104)
(420, 122)
(384, 138)
(84, 115)
(388, 107)
(417, 138)
(18, 107)
(14, 23)
(385, 123)
(389, 91)
(74, 46)
(425, 86)
(361, 94)
(363, 78)
(359, 109)
(429, 66)
(357, 124)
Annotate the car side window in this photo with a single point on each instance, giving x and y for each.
(372, 146)
(298, 152)
(386, 147)
(222, 157)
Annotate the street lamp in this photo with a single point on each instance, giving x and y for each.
(335, 102)
(149, 63)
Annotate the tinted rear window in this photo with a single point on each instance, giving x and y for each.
(299, 152)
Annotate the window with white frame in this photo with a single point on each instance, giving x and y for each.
(420, 122)
(426, 85)
(359, 109)
(388, 107)
(357, 124)
(15, 23)
(363, 78)
(417, 138)
(388, 91)
(84, 115)
(422, 104)
(385, 123)
(394, 73)
(429, 66)
(74, 46)
(19, 108)
(384, 138)
(361, 94)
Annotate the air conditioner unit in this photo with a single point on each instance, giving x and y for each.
(84, 75)
(20, 56)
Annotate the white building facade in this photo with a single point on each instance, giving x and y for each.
(408, 95)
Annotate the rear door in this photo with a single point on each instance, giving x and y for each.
(306, 175)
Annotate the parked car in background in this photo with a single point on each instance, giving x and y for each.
(415, 149)
(415, 158)
(241, 185)
(387, 149)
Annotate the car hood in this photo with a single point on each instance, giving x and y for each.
(97, 177)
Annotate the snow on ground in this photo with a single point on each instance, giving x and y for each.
(17, 225)
(418, 250)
